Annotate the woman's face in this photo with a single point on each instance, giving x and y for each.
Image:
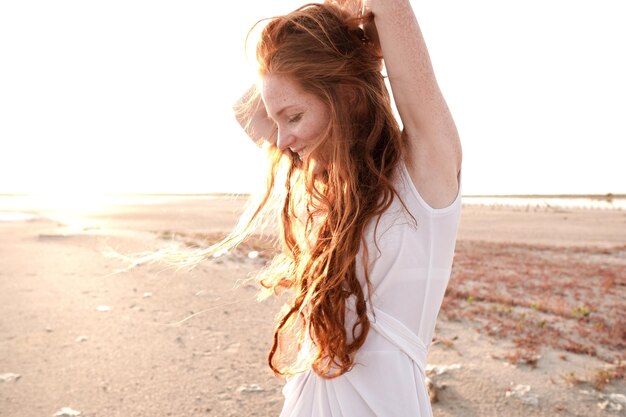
(301, 118)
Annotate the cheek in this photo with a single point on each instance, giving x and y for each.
(310, 133)
(318, 130)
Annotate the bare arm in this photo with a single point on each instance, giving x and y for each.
(435, 148)
(251, 115)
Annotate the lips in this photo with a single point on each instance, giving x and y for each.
(300, 152)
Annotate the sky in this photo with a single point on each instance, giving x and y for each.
(135, 96)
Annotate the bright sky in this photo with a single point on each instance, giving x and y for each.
(135, 96)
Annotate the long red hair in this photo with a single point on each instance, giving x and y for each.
(323, 216)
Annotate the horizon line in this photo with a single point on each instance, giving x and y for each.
(604, 196)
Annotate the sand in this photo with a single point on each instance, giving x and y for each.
(81, 330)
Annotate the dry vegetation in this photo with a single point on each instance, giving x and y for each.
(569, 298)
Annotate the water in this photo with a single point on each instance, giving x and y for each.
(15, 216)
(28, 207)
(75, 209)
(547, 202)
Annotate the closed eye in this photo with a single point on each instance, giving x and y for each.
(295, 118)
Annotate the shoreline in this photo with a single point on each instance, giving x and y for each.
(100, 205)
(229, 194)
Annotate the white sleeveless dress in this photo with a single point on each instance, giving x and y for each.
(409, 271)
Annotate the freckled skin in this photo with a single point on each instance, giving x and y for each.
(301, 117)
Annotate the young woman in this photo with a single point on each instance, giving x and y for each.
(369, 211)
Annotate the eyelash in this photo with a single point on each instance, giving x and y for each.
(295, 118)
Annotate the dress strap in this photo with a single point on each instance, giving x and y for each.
(396, 333)
(401, 336)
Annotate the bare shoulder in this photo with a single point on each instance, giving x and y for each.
(434, 168)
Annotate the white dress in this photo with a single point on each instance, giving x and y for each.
(409, 272)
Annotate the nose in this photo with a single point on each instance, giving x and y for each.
(285, 139)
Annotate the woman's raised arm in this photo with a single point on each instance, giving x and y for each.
(252, 116)
(435, 149)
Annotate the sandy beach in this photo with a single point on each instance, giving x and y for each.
(533, 323)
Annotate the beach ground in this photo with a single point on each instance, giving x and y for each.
(533, 323)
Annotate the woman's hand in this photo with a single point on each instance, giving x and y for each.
(252, 116)
(359, 8)
(355, 7)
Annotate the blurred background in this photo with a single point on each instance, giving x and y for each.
(135, 96)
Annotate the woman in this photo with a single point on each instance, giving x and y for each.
(369, 211)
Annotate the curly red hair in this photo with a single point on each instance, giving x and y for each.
(323, 217)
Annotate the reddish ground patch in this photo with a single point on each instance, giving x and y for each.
(570, 298)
